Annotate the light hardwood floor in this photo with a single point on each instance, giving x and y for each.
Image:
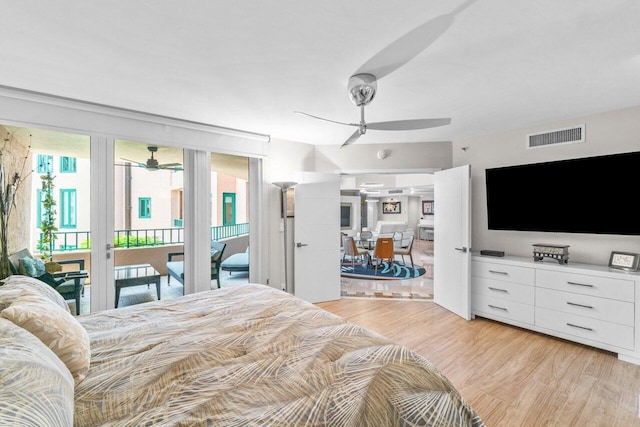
(510, 376)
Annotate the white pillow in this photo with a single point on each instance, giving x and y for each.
(37, 387)
(38, 286)
(56, 328)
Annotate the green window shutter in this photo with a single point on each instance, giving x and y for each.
(45, 163)
(68, 208)
(144, 207)
(67, 164)
(40, 208)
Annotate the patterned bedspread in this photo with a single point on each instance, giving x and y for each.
(252, 355)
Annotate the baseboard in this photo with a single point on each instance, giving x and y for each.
(631, 359)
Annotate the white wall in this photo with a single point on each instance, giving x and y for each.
(285, 159)
(402, 156)
(606, 133)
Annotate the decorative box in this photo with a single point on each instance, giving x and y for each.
(558, 252)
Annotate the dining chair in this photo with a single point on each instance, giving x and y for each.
(397, 239)
(383, 251)
(365, 239)
(405, 251)
(351, 250)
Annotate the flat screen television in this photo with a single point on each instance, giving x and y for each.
(594, 195)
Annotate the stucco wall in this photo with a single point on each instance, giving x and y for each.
(15, 152)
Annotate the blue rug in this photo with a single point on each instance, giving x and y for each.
(398, 272)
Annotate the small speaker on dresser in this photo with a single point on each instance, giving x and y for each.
(491, 252)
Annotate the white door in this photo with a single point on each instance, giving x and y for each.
(452, 240)
(315, 240)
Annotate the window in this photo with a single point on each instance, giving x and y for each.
(228, 208)
(67, 164)
(68, 208)
(45, 163)
(144, 207)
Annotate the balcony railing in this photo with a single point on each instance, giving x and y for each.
(80, 240)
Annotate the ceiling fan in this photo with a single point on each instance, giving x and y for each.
(363, 84)
(362, 89)
(152, 163)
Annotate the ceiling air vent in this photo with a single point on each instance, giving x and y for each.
(571, 135)
(395, 191)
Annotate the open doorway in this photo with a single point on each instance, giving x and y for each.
(395, 205)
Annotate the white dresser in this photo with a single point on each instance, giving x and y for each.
(589, 304)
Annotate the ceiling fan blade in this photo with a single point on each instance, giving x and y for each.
(410, 45)
(142, 165)
(352, 138)
(169, 165)
(326, 120)
(409, 124)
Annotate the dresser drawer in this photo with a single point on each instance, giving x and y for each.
(502, 309)
(609, 310)
(510, 273)
(583, 327)
(505, 290)
(618, 289)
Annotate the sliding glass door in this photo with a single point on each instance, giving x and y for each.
(148, 222)
(48, 176)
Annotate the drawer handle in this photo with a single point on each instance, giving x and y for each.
(504, 273)
(580, 327)
(580, 284)
(498, 290)
(579, 305)
(497, 308)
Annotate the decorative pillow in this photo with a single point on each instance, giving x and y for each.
(39, 264)
(52, 267)
(37, 286)
(27, 267)
(37, 387)
(56, 328)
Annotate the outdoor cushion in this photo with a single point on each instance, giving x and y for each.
(236, 262)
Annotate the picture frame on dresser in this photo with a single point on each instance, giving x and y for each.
(626, 261)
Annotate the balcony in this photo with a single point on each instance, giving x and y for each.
(148, 246)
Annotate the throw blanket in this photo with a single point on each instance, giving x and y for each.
(252, 355)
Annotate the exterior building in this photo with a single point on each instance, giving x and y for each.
(144, 200)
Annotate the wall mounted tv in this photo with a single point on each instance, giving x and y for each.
(592, 195)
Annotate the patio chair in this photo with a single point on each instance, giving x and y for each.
(70, 284)
(176, 268)
(236, 262)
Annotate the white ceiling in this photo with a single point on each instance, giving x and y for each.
(502, 64)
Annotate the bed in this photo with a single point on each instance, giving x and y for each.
(247, 355)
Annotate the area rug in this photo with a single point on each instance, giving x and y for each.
(385, 271)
